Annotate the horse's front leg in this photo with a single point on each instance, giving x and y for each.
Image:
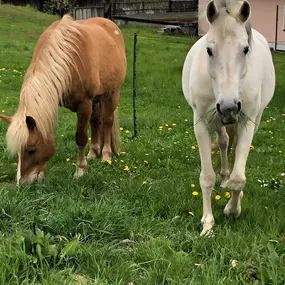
(207, 175)
(237, 179)
(84, 112)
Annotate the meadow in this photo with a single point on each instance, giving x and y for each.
(137, 220)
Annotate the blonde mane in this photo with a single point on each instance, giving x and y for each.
(48, 77)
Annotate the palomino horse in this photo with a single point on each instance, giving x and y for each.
(228, 79)
(80, 65)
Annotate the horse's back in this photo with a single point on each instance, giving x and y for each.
(106, 26)
(262, 67)
(104, 52)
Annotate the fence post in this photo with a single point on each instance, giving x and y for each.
(134, 85)
(114, 8)
(276, 32)
(170, 6)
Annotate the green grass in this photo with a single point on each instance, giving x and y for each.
(112, 226)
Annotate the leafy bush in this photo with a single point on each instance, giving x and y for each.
(59, 7)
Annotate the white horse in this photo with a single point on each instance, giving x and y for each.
(228, 79)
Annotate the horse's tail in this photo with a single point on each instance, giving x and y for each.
(115, 138)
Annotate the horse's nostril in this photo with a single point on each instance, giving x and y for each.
(218, 106)
(239, 107)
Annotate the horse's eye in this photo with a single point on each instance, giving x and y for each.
(246, 50)
(32, 151)
(209, 51)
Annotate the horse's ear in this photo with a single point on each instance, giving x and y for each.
(31, 123)
(212, 12)
(7, 119)
(244, 12)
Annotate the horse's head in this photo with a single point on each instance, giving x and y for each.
(228, 47)
(34, 153)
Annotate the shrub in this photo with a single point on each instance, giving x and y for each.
(59, 7)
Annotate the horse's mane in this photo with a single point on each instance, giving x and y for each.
(228, 12)
(47, 79)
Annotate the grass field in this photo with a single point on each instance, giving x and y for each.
(142, 226)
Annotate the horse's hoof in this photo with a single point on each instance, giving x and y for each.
(91, 155)
(229, 211)
(208, 224)
(207, 230)
(79, 172)
(107, 156)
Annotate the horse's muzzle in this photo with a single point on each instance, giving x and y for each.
(228, 111)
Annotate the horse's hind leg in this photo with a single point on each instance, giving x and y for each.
(110, 106)
(84, 111)
(223, 144)
(96, 124)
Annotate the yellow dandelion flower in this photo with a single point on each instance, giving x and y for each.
(280, 151)
(218, 197)
(126, 168)
(186, 132)
(174, 124)
(122, 160)
(62, 135)
(145, 182)
(193, 147)
(121, 129)
(268, 121)
(227, 195)
(109, 161)
(145, 161)
(274, 119)
(191, 213)
(212, 152)
(68, 159)
(122, 152)
(283, 115)
(166, 125)
(193, 185)
(195, 193)
(170, 129)
(252, 147)
(126, 131)
(89, 139)
(186, 120)
(161, 127)
(3, 111)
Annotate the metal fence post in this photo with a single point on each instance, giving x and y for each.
(134, 85)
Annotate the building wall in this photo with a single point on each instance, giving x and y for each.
(263, 15)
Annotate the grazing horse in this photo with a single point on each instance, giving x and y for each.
(228, 79)
(80, 65)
